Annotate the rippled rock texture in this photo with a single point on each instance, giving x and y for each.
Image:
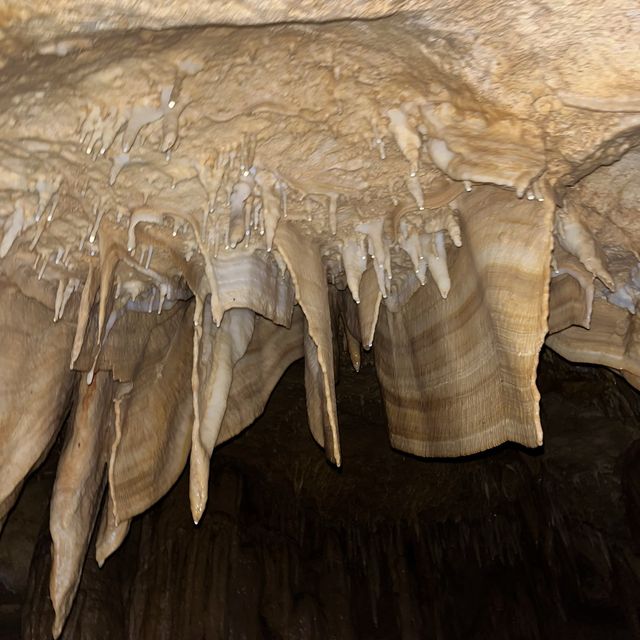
(507, 544)
(193, 196)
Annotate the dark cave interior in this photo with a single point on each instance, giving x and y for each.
(511, 543)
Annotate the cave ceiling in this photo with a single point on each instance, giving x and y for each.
(186, 209)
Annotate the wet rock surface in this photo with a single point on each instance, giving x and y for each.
(508, 544)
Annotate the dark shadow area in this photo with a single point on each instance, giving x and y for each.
(507, 544)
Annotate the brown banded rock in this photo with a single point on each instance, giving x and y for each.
(458, 374)
(447, 182)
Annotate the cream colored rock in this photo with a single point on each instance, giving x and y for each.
(147, 456)
(571, 293)
(110, 535)
(312, 295)
(458, 374)
(186, 212)
(78, 490)
(35, 388)
(271, 350)
(216, 352)
(612, 340)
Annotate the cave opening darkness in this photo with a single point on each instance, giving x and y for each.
(510, 543)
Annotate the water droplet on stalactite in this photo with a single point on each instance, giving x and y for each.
(53, 205)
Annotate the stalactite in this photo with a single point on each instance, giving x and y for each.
(473, 550)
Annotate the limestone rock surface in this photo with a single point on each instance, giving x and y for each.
(195, 194)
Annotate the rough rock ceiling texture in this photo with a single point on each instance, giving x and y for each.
(184, 212)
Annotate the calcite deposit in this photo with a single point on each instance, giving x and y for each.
(186, 209)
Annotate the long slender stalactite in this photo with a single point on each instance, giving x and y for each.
(194, 196)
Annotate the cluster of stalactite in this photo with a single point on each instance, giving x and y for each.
(507, 545)
(184, 212)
